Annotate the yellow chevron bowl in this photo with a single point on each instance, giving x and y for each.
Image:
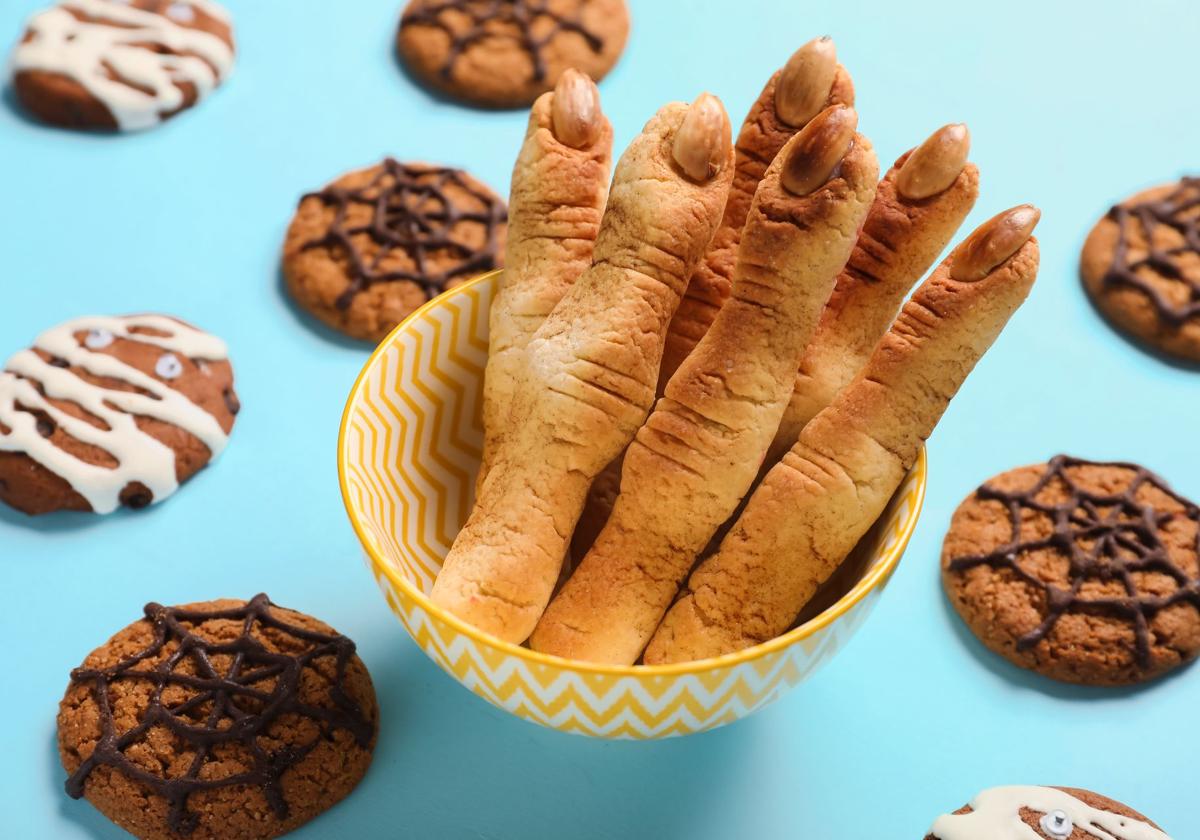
(407, 455)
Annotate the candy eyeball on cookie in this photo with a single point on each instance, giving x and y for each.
(1057, 825)
(98, 339)
(168, 366)
(181, 12)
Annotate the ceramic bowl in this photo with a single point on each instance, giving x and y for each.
(408, 452)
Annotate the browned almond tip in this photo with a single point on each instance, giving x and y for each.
(934, 165)
(805, 81)
(703, 140)
(812, 156)
(993, 242)
(575, 111)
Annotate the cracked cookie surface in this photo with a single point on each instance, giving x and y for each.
(1081, 571)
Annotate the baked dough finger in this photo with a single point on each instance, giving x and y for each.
(690, 465)
(559, 186)
(919, 206)
(590, 372)
(811, 81)
(815, 504)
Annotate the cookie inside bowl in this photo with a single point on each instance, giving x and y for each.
(408, 454)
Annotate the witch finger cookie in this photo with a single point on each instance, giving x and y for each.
(121, 64)
(366, 251)
(1017, 812)
(505, 53)
(1141, 267)
(1082, 571)
(104, 412)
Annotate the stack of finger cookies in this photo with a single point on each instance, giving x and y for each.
(710, 367)
(683, 342)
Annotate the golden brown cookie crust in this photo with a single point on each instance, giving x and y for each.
(1126, 527)
(1157, 304)
(355, 294)
(1032, 818)
(455, 47)
(323, 776)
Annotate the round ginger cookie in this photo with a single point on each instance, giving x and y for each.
(103, 412)
(1050, 813)
(227, 719)
(1141, 267)
(365, 252)
(505, 53)
(1084, 572)
(121, 65)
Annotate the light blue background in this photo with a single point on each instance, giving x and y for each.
(1071, 106)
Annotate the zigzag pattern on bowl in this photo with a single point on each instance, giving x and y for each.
(409, 451)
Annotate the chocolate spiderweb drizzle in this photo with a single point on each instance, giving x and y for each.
(227, 721)
(1105, 537)
(497, 19)
(1179, 211)
(410, 212)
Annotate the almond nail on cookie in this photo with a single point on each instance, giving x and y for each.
(811, 80)
(918, 208)
(559, 186)
(591, 369)
(689, 466)
(814, 506)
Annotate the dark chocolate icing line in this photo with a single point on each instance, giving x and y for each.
(1124, 537)
(1180, 210)
(490, 19)
(252, 663)
(399, 222)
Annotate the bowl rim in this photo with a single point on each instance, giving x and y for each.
(875, 577)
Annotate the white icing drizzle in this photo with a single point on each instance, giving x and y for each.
(140, 457)
(996, 815)
(83, 50)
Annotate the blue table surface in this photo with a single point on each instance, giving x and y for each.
(1071, 106)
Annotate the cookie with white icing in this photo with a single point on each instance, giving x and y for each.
(104, 412)
(121, 64)
(1021, 812)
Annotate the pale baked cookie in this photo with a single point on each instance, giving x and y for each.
(811, 508)
(121, 64)
(104, 412)
(695, 458)
(226, 719)
(504, 53)
(1044, 813)
(1141, 266)
(1084, 572)
(374, 245)
(588, 389)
